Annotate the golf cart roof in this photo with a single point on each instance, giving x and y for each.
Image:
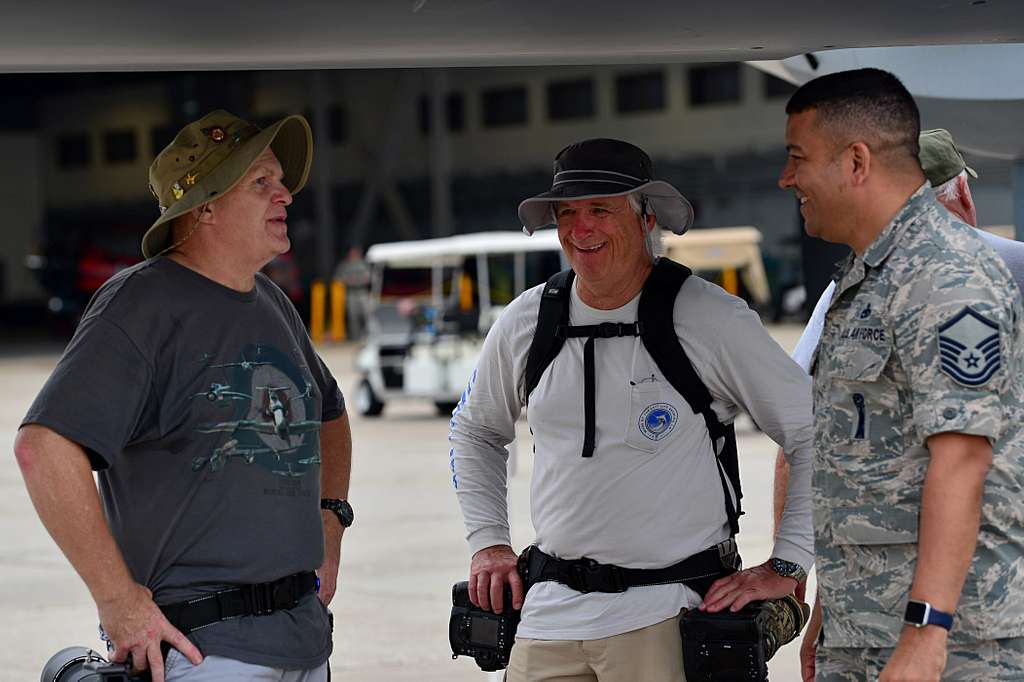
(423, 253)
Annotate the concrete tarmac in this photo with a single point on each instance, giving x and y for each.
(399, 560)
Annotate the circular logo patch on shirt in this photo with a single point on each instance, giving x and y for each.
(658, 420)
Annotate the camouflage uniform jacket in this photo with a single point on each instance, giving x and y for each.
(922, 337)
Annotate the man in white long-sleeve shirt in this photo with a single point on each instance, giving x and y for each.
(647, 492)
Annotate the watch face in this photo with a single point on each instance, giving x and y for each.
(915, 613)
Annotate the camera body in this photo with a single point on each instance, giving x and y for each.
(79, 664)
(486, 636)
(727, 646)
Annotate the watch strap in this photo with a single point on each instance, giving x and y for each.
(340, 508)
(788, 569)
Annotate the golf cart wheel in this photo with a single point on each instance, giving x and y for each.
(367, 402)
(444, 409)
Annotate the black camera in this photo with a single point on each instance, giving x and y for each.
(487, 637)
(728, 647)
(79, 664)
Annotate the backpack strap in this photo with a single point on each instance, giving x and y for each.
(657, 303)
(554, 311)
(552, 330)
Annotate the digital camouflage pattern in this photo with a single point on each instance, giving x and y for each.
(990, 660)
(882, 386)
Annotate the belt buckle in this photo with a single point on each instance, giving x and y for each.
(263, 599)
(585, 570)
(580, 572)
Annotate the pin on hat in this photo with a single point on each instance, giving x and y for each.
(603, 167)
(208, 158)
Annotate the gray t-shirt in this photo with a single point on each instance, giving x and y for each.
(200, 407)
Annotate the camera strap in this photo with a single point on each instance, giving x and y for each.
(260, 599)
(586, 575)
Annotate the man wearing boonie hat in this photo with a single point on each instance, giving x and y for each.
(217, 432)
(625, 476)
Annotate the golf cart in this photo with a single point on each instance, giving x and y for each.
(431, 304)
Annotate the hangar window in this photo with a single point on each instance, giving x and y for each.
(571, 99)
(160, 137)
(74, 150)
(715, 84)
(504, 106)
(119, 146)
(640, 92)
(337, 124)
(454, 111)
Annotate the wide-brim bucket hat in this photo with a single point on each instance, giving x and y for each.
(602, 167)
(208, 158)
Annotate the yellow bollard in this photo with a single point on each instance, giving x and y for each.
(317, 301)
(730, 281)
(337, 311)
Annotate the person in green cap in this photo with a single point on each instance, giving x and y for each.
(219, 437)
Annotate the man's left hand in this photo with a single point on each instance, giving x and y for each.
(737, 590)
(919, 655)
(328, 571)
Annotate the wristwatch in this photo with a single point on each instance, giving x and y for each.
(788, 569)
(921, 613)
(341, 508)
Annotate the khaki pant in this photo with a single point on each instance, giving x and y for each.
(650, 654)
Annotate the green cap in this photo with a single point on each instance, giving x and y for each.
(940, 158)
(209, 156)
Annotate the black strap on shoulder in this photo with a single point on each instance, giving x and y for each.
(657, 302)
(547, 343)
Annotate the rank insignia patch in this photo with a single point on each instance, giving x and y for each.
(969, 348)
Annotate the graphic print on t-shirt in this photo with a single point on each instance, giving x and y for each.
(265, 403)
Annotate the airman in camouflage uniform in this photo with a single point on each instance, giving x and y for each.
(888, 376)
(923, 337)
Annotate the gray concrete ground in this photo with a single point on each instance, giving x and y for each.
(398, 562)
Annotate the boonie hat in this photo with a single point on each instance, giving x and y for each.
(209, 156)
(603, 167)
(940, 158)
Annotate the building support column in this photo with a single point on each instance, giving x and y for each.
(326, 257)
(440, 156)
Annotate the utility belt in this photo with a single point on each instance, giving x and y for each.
(697, 572)
(717, 647)
(260, 599)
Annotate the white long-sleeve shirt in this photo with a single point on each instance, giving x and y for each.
(645, 499)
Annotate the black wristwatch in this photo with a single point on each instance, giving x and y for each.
(341, 508)
(921, 613)
(788, 569)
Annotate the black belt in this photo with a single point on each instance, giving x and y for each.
(587, 575)
(246, 600)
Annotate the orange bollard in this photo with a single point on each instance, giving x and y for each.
(317, 302)
(337, 311)
(730, 281)
(466, 293)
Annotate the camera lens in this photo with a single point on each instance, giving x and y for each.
(67, 665)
